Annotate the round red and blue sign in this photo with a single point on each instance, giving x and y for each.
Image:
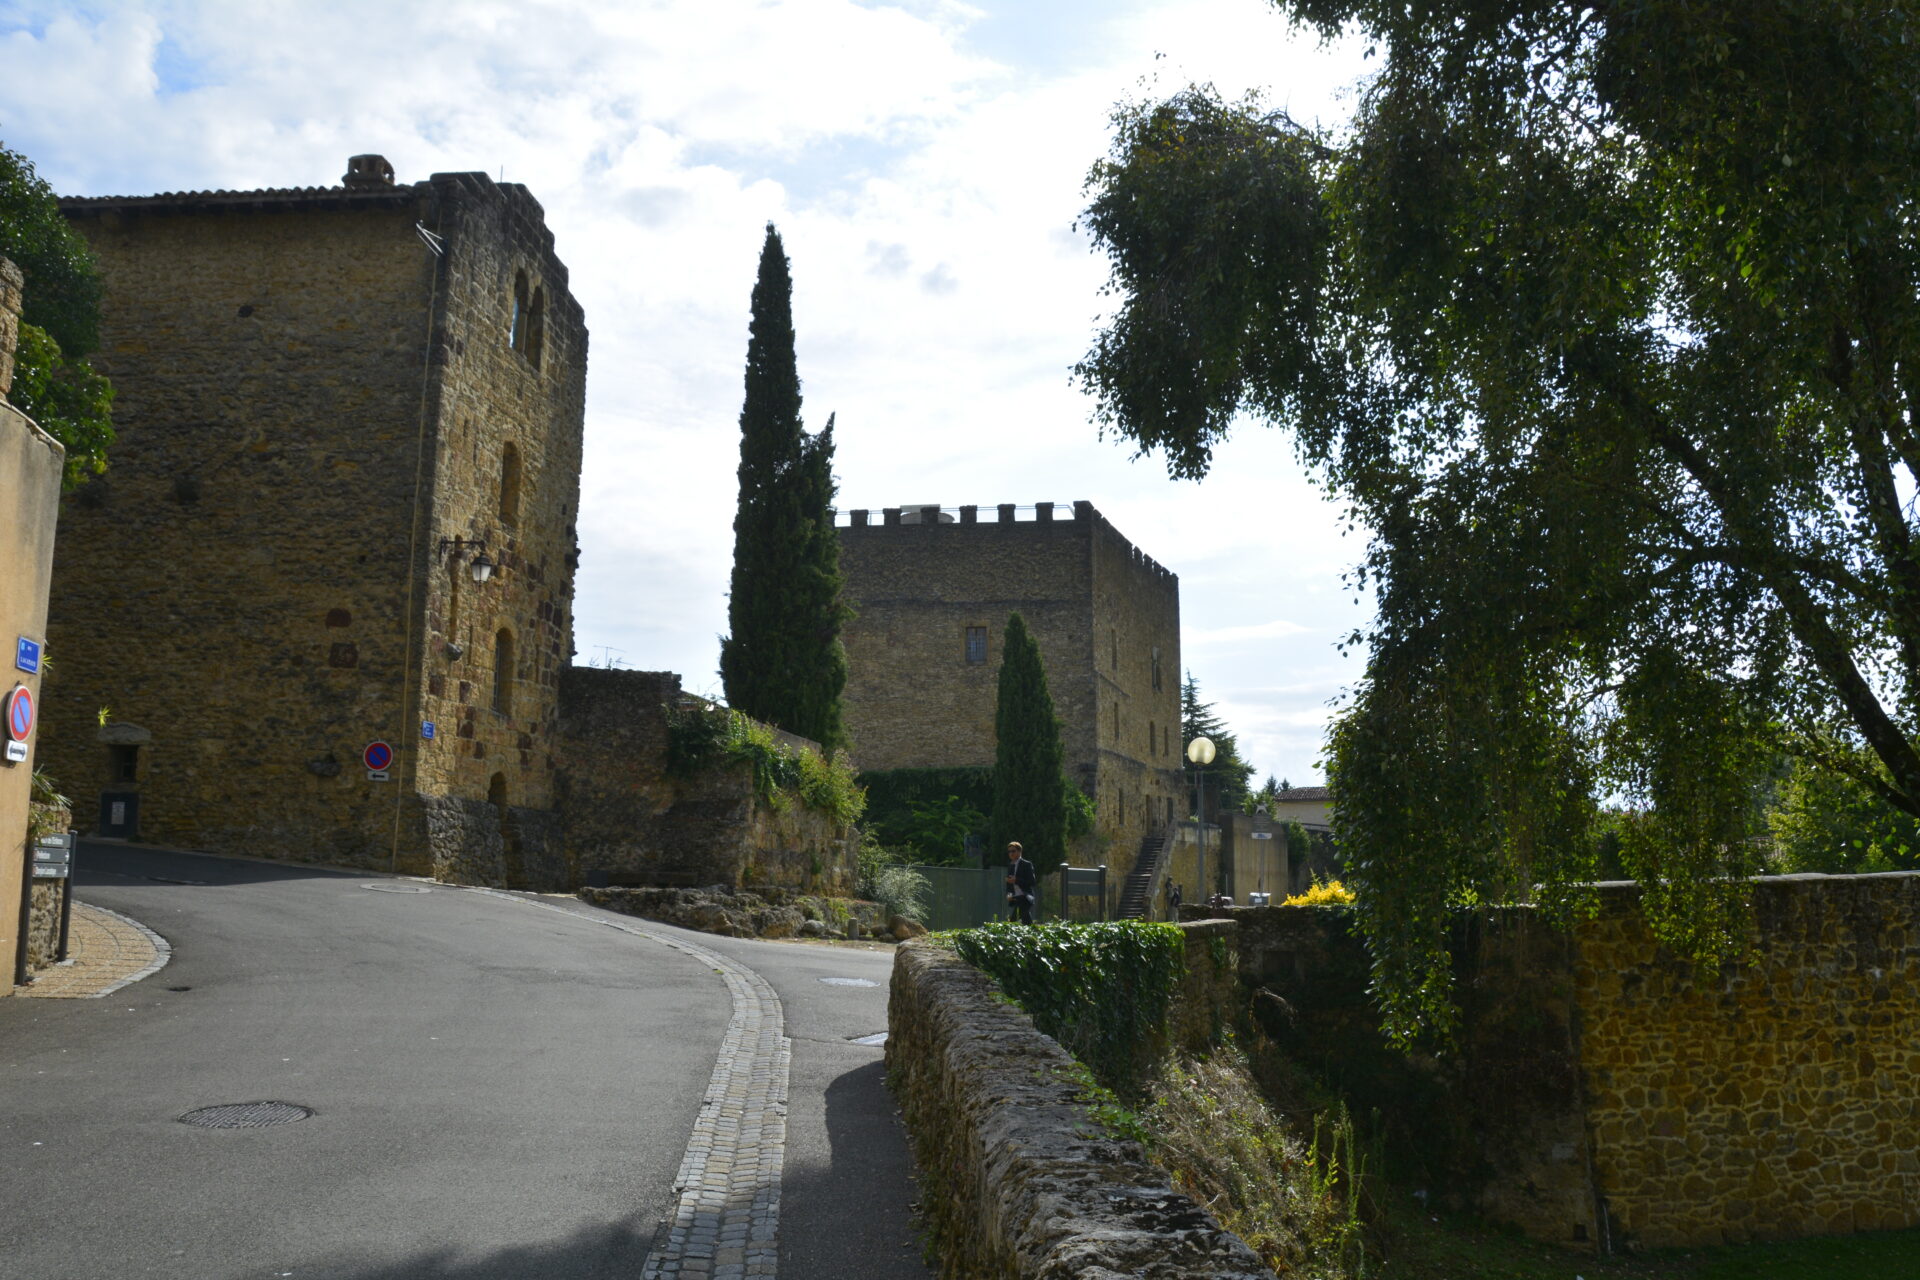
(19, 713)
(378, 756)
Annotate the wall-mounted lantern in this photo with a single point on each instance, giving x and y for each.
(480, 568)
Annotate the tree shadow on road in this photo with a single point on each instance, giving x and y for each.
(592, 1253)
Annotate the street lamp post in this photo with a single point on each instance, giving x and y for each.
(1200, 752)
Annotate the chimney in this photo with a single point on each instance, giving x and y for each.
(12, 286)
(368, 173)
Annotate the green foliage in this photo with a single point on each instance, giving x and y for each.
(939, 828)
(1295, 1199)
(1101, 990)
(1603, 320)
(893, 795)
(1226, 778)
(885, 879)
(1080, 812)
(60, 321)
(1029, 787)
(67, 399)
(1822, 820)
(783, 661)
(703, 738)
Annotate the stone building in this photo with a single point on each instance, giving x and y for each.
(338, 409)
(933, 590)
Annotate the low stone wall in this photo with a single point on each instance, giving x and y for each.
(630, 821)
(1603, 1092)
(777, 913)
(1017, 1180)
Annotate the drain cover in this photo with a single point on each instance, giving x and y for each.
(878, 1037)
(246, 1115)
(849, 982)
(396, 888)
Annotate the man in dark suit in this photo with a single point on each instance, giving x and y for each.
(1021, 883)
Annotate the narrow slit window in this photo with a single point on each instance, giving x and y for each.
(976, 644)
(503, 672)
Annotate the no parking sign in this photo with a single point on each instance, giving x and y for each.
(377, 757)
(19, 716)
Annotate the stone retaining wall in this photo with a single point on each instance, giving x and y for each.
(1604, 1092)
(1016, 1178)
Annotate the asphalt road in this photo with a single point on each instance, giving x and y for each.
(498, 1090)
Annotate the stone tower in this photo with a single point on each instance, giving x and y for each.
(933, 590)
(333, 405)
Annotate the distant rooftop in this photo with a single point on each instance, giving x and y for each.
(1302, 793)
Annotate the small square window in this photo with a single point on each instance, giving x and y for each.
(976, 644)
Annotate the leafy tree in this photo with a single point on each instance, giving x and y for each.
(1029, 786)
(1824, 821)
(1606, 320)
(783, 661)
(1226, 778)
(60, 321)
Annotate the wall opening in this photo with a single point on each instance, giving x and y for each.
(510, 484)
(537, 327)
(503, 672)
(123, 763)
(517, 327)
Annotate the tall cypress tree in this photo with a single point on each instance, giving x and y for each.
(1029, 790)
(782, 662)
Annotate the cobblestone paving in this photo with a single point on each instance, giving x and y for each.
(105, 952)
(723, 1223)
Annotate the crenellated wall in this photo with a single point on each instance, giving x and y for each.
(1106, 617)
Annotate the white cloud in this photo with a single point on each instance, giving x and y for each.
(924, 161)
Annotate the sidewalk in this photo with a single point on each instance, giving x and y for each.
(105, 952)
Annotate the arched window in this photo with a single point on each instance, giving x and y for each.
(503, 672)
(517, 329)
(537, 327)
(510, 484)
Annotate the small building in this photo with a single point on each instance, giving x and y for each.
(340, 514)
(933, 589)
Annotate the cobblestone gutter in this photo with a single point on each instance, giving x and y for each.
(1017, 1181)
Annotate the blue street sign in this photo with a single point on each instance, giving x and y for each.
(27, 655)
(426, 729)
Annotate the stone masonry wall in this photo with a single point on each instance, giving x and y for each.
(1781, 1099)
(506, 476)
(313, 406)
(1107, 619)
(1017, 1180)
(912, 700)
(626, 818)
(235, 584)
(1136, 612)
(1604, 1093)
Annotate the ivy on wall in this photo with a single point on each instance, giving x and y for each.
(703, 738)
(1101, 990)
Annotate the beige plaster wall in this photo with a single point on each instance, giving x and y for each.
(30, 467)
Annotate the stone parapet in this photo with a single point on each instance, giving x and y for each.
(1017, 1178)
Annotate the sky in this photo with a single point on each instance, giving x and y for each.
(925, 163)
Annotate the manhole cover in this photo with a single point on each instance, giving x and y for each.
(396, 888)
(878, 1037)
(849, 982)
(245, 1115)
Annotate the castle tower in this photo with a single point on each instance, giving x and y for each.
(933, 589)
(333, 403)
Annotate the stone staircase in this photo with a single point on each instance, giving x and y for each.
(1136, 896)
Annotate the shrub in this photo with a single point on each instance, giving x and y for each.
(702, 738)
(1323, 893)
(1101, 990)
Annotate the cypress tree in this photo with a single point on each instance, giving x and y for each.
(1029, 790)
(782, 662)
